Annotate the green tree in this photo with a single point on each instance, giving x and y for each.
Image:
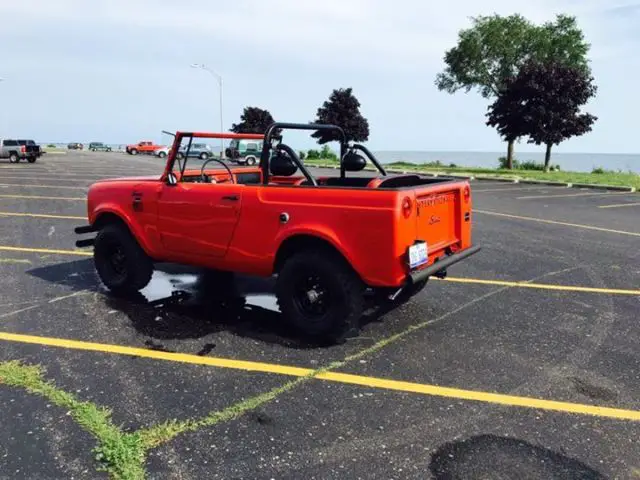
(496, 47)
(543, 102)
(253, 120)
(342, 109)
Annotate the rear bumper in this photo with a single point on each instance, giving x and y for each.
(426, 272)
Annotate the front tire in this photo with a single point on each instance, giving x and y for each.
(122, 265)
(14, 158)
(133, 151)
(251, 161)
(320, 295)
(32, 159)
(204, 156)
(162, 154)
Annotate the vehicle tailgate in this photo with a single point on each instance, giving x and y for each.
(439, 215)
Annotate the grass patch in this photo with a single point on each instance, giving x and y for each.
(597, 177)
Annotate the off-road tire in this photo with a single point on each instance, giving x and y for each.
(344, 294)
(137, 267)
(14, 158)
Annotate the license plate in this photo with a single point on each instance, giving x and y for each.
(418, 254)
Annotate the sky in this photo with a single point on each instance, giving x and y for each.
(119, 71)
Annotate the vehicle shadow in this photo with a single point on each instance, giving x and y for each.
(491, 456)
(189, 303)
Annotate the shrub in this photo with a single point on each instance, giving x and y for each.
(598, 170)
(530, 165)
(453, 165)
(302, 155)
(313, 154)
(51, 145)
(502, 163)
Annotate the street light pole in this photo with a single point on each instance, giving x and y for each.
(218, 77)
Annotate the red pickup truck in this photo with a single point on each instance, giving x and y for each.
(144, 147)
(330, 240)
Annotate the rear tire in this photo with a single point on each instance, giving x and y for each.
(320, 295)
(14, 158)
(133, 151)
(162, 154)
(204, 156)
(122, 265)
(251, 161)
(32, 159)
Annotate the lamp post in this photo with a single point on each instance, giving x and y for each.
(218, 77)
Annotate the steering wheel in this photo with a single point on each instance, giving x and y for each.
(203, 176)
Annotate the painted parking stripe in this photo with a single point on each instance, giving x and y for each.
(554, 222)
(337, 377)
(61, 187)
(39, 197)
(591, 194)
(620, 205)
(510, 189)
(41, 215)
(543, 286)
(83, 253)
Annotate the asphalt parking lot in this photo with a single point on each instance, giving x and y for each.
(523, 363)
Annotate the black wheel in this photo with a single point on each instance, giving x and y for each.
(121, 263)
(32, 159)
(14, 158)
(320, 295)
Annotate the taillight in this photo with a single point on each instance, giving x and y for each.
(467, 194)
(406, 207)
(23, 149)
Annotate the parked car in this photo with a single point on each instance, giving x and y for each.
(99, 147)
(197, 150)
(75, 146)
(244, 152)
(16, 150)
(281, 220)
(145, 147)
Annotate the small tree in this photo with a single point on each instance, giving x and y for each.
(342, 109)
(253, 120)
(543, 102)
(494, 49)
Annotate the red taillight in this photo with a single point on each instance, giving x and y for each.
(406, 207)
(23, 149)
(467, 194)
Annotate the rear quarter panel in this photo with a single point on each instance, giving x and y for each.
(359, 223)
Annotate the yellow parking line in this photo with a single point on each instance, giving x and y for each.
(29, 177)
(38, 197)
(590, 194)
(47, 250)
(41, 215)
(553, 222)
(65, 187)
(345, 378)
(543, 286)
(509, 189)
(619, 205)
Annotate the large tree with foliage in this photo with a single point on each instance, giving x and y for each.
(543, 102)
(253, 120)
(342, 109)
(495, 48)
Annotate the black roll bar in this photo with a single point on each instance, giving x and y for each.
(298, 162)
(371, 157)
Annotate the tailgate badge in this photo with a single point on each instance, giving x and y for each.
(434, 219)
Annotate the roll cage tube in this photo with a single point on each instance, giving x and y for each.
(371, 157)
(269, 136)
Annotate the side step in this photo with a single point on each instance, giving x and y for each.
(88, 242)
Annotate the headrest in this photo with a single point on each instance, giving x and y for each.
(282, 165)
(352, 162)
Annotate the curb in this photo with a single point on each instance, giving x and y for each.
(545, 182)
(605, 187)
(498, 179)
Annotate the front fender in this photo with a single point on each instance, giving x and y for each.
(109, 208)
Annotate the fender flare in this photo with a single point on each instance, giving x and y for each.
(135, 229)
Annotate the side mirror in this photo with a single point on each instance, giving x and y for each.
(172, 179)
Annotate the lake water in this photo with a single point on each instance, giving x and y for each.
(577, 162)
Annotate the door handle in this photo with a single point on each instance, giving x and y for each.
(233, 198)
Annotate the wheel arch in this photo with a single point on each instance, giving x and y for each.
(306, 241)
(108, 216)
